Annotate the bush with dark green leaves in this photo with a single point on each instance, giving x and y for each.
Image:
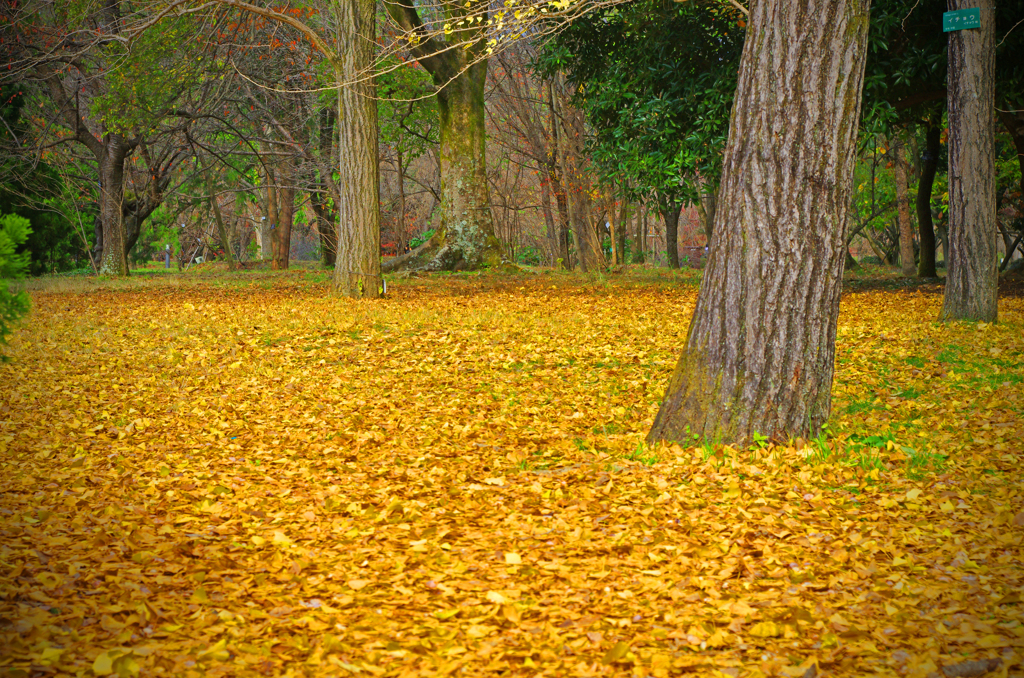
(14, 231)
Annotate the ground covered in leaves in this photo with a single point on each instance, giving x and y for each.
(243, 476)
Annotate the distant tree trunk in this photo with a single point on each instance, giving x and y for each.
(925, 227)
(326, 229)
(551, 233)
(670, 213)
(326, 218)
(613, 231)
(403, 236)
(706, 208)
(268, 243)
(357, 270)
(623, 229)
(285, 216)
(760, 352)
(907, 263)
(643, 233)
(222, 231)
(972, 275)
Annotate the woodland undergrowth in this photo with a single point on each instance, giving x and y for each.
(248, 477)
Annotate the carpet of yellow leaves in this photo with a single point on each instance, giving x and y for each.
(251, 478)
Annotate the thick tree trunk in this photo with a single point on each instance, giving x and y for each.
(972, 274)
(907, 264)
(925, 227)
(670, 214)
(760, 351)
(114, 259)
(357, 272)
(466, 237)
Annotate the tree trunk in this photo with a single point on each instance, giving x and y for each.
(760, 351)
(268, 228)
(285, 217)
(643, 234)
(925, 227)
(466, 237)
(403, 235)
(972, 275)
(623, 228)
(551, 233)
(670, 214)
(706, 207)
(114, 259)
(907, 263)
(613, 231)
(357, 270)
(222, 230)
(327, 231)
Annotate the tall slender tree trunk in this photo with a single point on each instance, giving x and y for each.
(670, 213)
(925, 226)
(972, 274)
(760, 351)
(222, 230)
(623, 229)
(357, 269)
(907, 263)
(285, 216)
(550, 230)
(643, 233)
(403, 235)
(614, 226)
(268, 242)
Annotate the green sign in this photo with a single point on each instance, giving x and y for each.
(961, 19)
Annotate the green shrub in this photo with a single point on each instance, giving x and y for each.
(14, 231)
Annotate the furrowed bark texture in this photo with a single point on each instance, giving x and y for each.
(357, 266)
(760, 351)
(114, 259)
(972, 270)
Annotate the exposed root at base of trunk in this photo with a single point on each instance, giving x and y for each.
(427, 258)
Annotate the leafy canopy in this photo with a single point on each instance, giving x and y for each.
(656, 80)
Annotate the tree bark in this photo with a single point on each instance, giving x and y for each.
(925, 227)
(357, 272)
(623, 228)
(907, 263)
(465, 238)
(225, 242)
(282, 233)
(670, 213)
(114, 260)
(972, 274)
(268, 242)
(760, 351)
